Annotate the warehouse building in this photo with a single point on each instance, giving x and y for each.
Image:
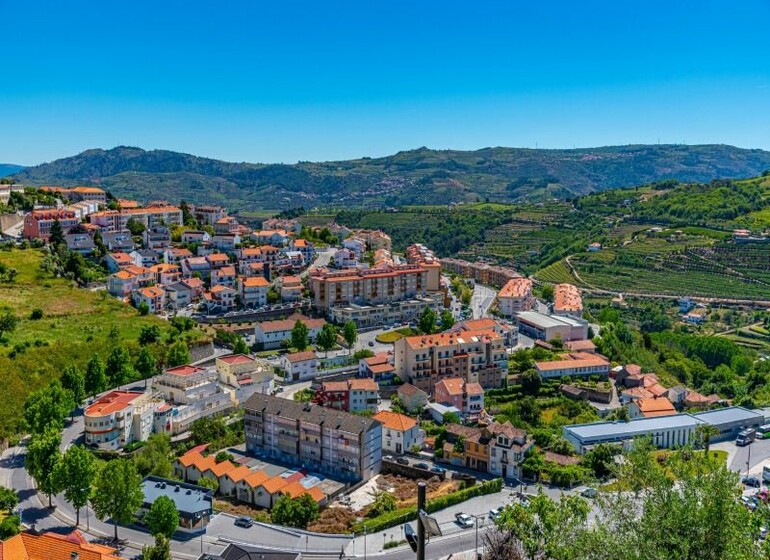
(547, 327)
(731, 420)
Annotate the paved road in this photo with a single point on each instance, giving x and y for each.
(482, 299)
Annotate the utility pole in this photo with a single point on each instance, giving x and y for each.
(421, 492)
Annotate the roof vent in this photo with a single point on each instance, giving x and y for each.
(176, 488)
(188, 492)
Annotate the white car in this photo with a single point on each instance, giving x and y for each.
(495, 513)
(464, 520)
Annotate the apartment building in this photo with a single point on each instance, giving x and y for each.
(378, 367)
(38, 223)
(208, 214)
(153, 296)
(468, 398)
(376, 315)
(351, 395)
(219, 299)
(480, 272)
(567, 300)
(248, 375)
(117, 419)
(400, 433)
(367, 286)
(157, 239)
(507, 449)
(224, 276)
(575, 364)
(374, 239)
(291, 288)
(253, 291)
(121, 283)
(78, 194)
(515, 296)
(271, 334)
(340, 445)
(150, 217)
(420, 255)
(474, 356)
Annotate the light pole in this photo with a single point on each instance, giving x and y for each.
(364, 542)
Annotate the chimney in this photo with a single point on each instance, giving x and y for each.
(74, 556)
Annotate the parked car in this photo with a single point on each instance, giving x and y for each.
(402, 460)
(438, 470)
(244, 522)
(464, 520)
(752, 481)
(425, 466)
(495, 513)
(589, 493)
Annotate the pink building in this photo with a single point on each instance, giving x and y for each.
(466, 397)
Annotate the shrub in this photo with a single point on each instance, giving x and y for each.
(36, 314)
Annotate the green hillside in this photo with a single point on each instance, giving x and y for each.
(414, 177)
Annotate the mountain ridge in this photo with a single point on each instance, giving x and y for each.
(7, 169)
(418, 176)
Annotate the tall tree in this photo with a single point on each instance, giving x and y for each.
(75, 473)
(704, 433)
(327, 338)
(42, 457)
(350, 334)
(48, 407)
(162, 517)
(178, 354)
(135, 226)
(118, 368)
(118, 493)
(299, 336)
(8, 321)
(240, 346)
(149, 335)
(160, 551)
(73, 380)
(427, 321)
(57, 234)
(295, 512)
(447, 319)
(146, 365)
(155, 456)
(95, 378)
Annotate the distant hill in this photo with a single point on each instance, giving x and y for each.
(421, 176)
(9, 169)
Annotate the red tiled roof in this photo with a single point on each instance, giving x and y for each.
(395, 421)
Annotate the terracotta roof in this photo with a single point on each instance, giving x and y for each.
(566, 297)
(633, 369)
(655, 407)
(580, 345)
(382, 368)
(516, 287)
(220, 288)
(301, 356)
(420, 342)
(365, 384)
(124, 275)
(395, 421)
(637, 393)
(572, 360)
(112, 402)
(152, 292)
(51, 546)
(293, 489)
(217, 257)
(657, 390)
(238, 473)
(255, 479)
(221, 468)
(452, 385)
(120, 257)
(274, 484)
(189, 458)
(378, 358)
(288, 323)
(184, 370)
(410, 390)
(236, 359)
(255, 282)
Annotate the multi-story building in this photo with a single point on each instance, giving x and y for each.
(144, 257)
(400, 433)
(117, 261)
(194, 265)
(480, 272)
(194, 393)
(468, 398)
(38, 223)
(299, 366)
(507, 449)
(150, 217)
(121, 283)
(548, 327)
(356, 245)
(338, 444)
(157, 239)
(118, 418)
(515, 296)
(291, 288)
(413, 399)
(575, 364)
(217, 260)
(121, 241)
(567, 300)
(228, 224)
(246, 374)
(271, 334)
(374, 239)
(496, 448)
(153, 296)
(378, 367)
(175, 255)
(166, 274)
(376, 315)
(226, 242)
(224, 276)
(219, 299)
(253, 291)
(367, 286)
(77, 194)
(419, 254)
(281, 223)
(345, 258)
(209, 215)
(351, 395)
(474, 356)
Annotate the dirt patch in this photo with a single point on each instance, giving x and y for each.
(241, 510)
(335, 519)
(405, 488)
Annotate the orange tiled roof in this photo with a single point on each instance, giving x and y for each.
(238, 473)
(516, 287)
(395, 421)
(274, 484)
(112, 402)
(124, 275)
(566, 297)
(365, 384)
(254, 282)
(50, 546)
(575, 359)
(221, 468)
(655, 407)
(256, 479)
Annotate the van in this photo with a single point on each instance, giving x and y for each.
(766, 474)
(746, 437)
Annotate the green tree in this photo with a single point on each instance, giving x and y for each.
(327, 338)
(350, 334)
(703, 435)
(146, 365)
(150, 334)
(43, 456)
(76, 473)
(155, 456)
(384, 502)
(178, 354)
(295, 512)
(73, 380)
(9, 499)
(188, 219)
(118, 368)
(546, 292)
(161, 550)
(8, 321)
(210, 483)
(10, 526)
(299, 336)
(162, 518)
(95, 378)
(101, 248)
(135, 227)
(208, 429)
(118, 492)
(57, 234)
(143, 308)
(48, 407)
(447, 319)
(240, 346)
(531, 382)
(427, 321)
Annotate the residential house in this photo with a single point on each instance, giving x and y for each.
(379, 367)
(144, 276)
(178, 295)
(248, 375)
(157, 239)
(357, 246)
(122, 283)
(55, 546)
(219, 299)
(225, 242)
(291, 288)
(400, 433)
(166, 274)
(574, 364)
(194, 504)
(305, 247)
(144, 257)
(119, 241)
(224, 276)
(117, 261)
(195, 237)
(271, 334)
(217, 260)
(338, 444)
(117, 419)
(175, 255)
(351, 395)
(196, 286)
(274, 237)
(412, 398)
(193, 265)
(228, 224)
(153, 296)
(507, 449)
(208, 214)
(247, 256)
(38, 223)
(650, 407)
(299, 366)
(567, 300)
(345, 258)
(80, 243)
(466, 397)
(253, 291)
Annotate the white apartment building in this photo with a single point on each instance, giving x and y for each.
(119, 418)
(399, 432)
(300, 366)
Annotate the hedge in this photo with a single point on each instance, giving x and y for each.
(404, 515)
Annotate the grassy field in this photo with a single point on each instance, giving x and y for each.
(393, 336)
(75, 324)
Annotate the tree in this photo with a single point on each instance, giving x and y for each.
(295, 512)
(350, 334)
(160, 551)
(299, 336)
(95, 378)
(188, 219)
(57, 234)
(210, 483)
(601, 459)
(146, 365)
(48, 407)
(384, 502)
(42, 457)
(178, 354)
(9, 499)
(118, 368)
(327, 338)
(240, 346)
(703, 435)
(101, 248)
(8, 322)
(162, 517)
(143, 308)
(547, 292)
(135, 227)
(75, 473)
(427, 321)
(73, 380)
(154, 458)
(118, 492)
(208, 429)
(150, 334)
(447, 319)
(531, 382)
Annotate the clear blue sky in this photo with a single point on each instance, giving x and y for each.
(300, 80)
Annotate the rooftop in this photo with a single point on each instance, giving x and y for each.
(516, 287)
(236, 359)
(112, 402)
(301, 356)
(188, 498)
(640, 426)
(395, 421)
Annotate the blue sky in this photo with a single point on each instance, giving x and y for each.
(295, 80)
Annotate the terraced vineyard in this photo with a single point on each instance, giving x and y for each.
(513, 243)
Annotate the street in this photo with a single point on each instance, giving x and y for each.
(482, 299)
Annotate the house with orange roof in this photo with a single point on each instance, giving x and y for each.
(227, 224)
(175, 255)
(274, 237)
(118, 418)
(224, 276)
(144, 276)
(291, 288)
(217, 260)
(127, 204)
(245, 374)
(379, 367)
(77, 194)
(246, 487)
(252, 291)
(567, 300)
(228, 481)
(299, 366)
(271, 334)
(303, 246)
(268, 492)
(515, 296)
(400, 433)
(116, 261)
(122, 283)
(53, 546)
(351, 395)
(166, 274)
(219, 299)
(413, 399)
(218, 470)
(192, 236)
(575, 364)
(649, 408)
(153, 296)
(468, 398)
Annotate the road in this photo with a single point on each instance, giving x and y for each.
(482, 299)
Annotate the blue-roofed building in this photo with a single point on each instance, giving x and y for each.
(731, 420)
(194, 503)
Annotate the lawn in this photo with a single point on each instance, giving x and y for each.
(75, 324)
(393, 336)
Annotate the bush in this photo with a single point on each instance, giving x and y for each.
(36, 314)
